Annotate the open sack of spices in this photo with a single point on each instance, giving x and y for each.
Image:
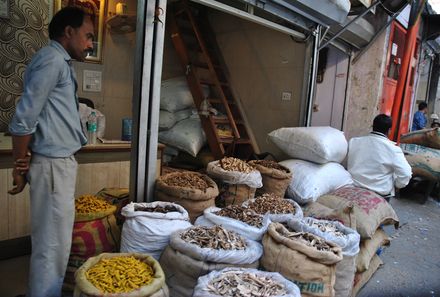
(199, 250)
(275, 207)
(240, 219)
(148, 226)
(244, 282)
(304, 258)
(275, 177)
(192, 190)
(121, 275)
(95, 231)
(346, 238)
(237, 180)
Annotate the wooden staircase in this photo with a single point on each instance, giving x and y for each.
(204, 68)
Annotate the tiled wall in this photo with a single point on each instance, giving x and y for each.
(21, 35)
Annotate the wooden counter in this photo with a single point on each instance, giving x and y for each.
(101, 165)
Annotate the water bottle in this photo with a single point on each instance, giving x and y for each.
(92, 127)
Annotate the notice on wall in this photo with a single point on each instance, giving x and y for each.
(394, 48)
(92, 81)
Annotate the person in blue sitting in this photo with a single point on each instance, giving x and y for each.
(419, 120)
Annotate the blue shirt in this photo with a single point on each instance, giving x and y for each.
(419, 121)
(48, 107)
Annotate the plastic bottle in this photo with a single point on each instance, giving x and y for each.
(92, 127)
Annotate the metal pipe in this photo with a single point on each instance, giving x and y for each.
(376, 35)
(337, 34)
(312, 78)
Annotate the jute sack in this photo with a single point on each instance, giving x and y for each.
(361, 278)
(313, 271)
(426, 137)
(348, 239)
(344, 215)
(370, 209)
(157, 288)
(93, 234)
(183, 263)
(425, 166)
(233, 194)
(192, 199)
(368, 249)
(276, 179)
(116, 196)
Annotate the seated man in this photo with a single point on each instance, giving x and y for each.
(376, 163)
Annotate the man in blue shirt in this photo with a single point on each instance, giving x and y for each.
(419, 120)
(46, 131)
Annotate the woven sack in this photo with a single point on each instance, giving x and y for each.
(93, 234)
(368, 248)
(195, 201)
(275, 180)
(344, 215)
(118, 197)
(370, 209)
(426, 137)
(157, 288)
(361, 278)
(234, 194)
(313, 271)
(425, 166)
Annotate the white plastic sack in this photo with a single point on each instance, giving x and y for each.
(281, 218)
(168, 119)
(203, 281)
(348, 243)
(237, 226)
(312, 180)
(175, 94)
(202, 221)
(251, 254)
(84, 112)
(316, 144)
(186, 135)
(252, 179)
(149, 232)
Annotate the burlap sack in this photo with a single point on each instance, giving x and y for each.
(157, 288)
(275, 180)
(313, 271)
(193, 200)
(344, 215)
(233, 194)
(370, 209)
(118, 197)
(345, 272)
(360, 279)
(182, 271)
(368, 248)
(93, 234)
(427, 137)
(425, 166)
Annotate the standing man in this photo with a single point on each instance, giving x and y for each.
(419, 120)
(47, 124)
(376, 163)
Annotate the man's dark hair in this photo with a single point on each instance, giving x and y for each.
(68, 16)
(382, 123)
(422, 105)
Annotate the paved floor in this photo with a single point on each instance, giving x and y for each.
(411, 263)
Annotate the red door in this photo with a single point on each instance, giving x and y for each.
(394, 61)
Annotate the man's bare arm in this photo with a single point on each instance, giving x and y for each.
(21, 154)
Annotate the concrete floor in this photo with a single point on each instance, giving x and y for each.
(411, 263)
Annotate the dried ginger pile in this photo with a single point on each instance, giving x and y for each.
(241, 213)
(187, 180)
(270, 203)
(234, 164)
(236, 284)
(215, 237)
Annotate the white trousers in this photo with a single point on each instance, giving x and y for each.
(52, 188)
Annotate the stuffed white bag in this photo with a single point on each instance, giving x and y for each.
(316, 144)
(149, 232)
(313, 180)
(175, 94)
(201, 289)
